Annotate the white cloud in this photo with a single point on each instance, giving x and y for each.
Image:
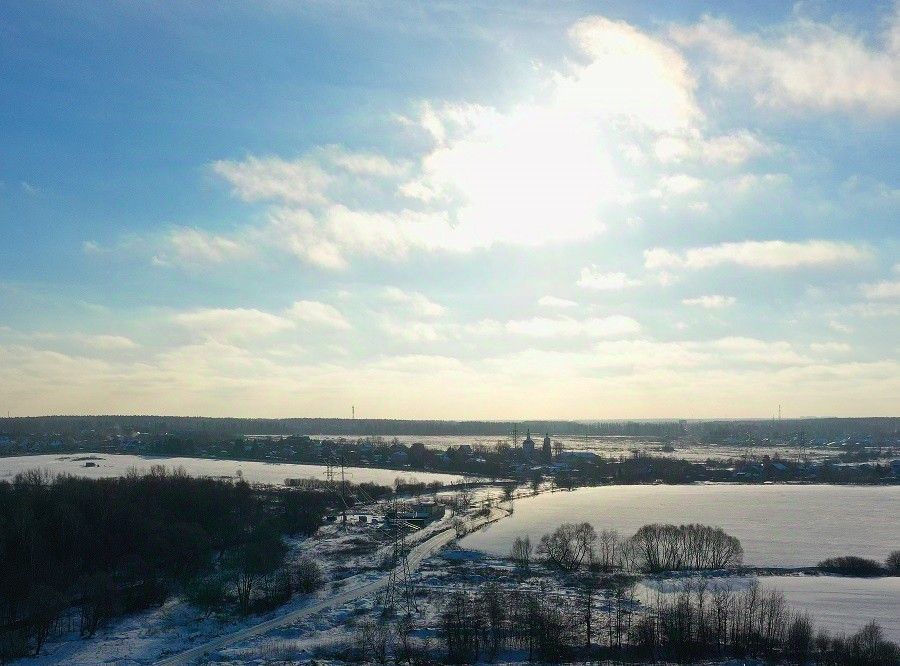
(712, 301)
(699, 206)
(556, 302)
(188, 246)
(29, 189)
(614, 326)
(775, 254)
(327, 239)
(363, 164)
(752, 350)
(830, 347)
(678, 184)
(317, 313)
(419, 363)
(232, 323)
(533, 173)
(109, 342)
(91, 247)
(647, 353)
(592, 277)
(484, 328)
(839, 327)
(730, 149)
(884, 290)
(748, 182)
(413, 302)
(411, 331)
(301, 181)
(875, 309)
(804, 65)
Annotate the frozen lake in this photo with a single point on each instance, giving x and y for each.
(108, 465)
(778, 525)
(840, 605)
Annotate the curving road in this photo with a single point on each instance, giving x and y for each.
(416, 556)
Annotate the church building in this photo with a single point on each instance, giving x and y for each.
(528, 446)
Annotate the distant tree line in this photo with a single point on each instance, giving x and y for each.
(104, 547)
(234, 427)
(851, 565)
(875, 427)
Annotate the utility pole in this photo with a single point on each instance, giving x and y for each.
(343, 490)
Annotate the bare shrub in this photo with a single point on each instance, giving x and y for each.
(308, 577)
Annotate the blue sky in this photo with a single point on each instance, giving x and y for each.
(450, 210)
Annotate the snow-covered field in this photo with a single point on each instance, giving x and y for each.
(778, 525)
(108, 465)
(839, 604)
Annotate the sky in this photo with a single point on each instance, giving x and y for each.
(450, 210)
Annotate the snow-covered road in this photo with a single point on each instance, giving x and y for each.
(417, 555)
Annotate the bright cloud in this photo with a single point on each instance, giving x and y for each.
(678, 184)
(730, 149)
(266, 178)
(713, 301)
(531, 174)
(752, 350)
(886, 289)
(614, 326)
(630, 75)
(316, 313)
(775, 254)
(556, 302)
(232, 323)
(411, 331)
(413, 302)
(593, 277)
(830, 347)
(109, 342)
(189, 246)
(803, 65)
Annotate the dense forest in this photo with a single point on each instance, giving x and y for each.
(106, 547)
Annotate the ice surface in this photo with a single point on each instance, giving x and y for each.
(108, 465)
(778, 525)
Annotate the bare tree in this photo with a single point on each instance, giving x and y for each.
(608, 550)
(374, 640)
(521, 551)
(569, 545)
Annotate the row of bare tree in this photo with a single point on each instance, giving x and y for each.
(703, 621)
(653, 548)
(601, 618)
